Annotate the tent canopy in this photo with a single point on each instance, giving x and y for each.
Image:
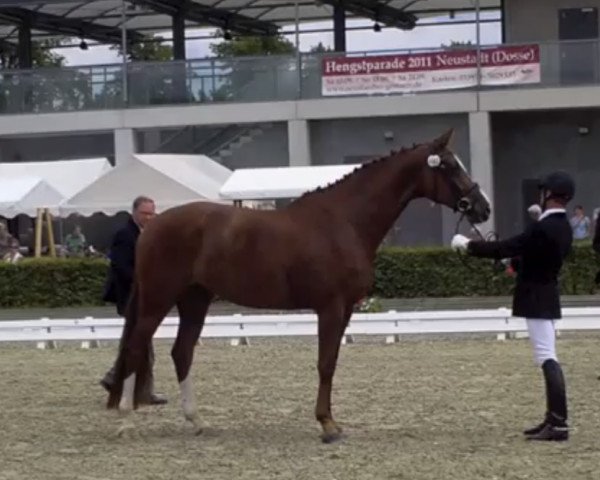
(24, 195)
(280, 182)
(170, 180)
(65, 176)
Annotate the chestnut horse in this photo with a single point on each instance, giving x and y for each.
(317, 253)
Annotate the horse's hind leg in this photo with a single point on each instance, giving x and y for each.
(192, 306)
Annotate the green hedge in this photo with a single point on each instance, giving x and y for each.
(400, 272)
(441, 273)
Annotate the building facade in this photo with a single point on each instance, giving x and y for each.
(507, 136)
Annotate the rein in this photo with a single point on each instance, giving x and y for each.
(491, 236)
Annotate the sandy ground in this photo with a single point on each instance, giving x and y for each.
(432, 409)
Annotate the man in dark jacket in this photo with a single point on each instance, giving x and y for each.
(120, 281)
(542, 249)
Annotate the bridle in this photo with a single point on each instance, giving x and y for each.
(463, 204)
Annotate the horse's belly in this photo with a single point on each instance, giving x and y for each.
(251, 287)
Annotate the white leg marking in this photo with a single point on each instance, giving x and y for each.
(188, 398)
(188, 403)
(126, 403)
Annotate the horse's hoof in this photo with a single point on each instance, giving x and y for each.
(199, 431)
(331, 437)
(124, 431)
(126, 428)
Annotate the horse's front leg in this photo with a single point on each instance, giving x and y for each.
(332, 323)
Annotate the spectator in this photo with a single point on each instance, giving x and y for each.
(75, 243)
(4, 240)
(13, 255)
(580, 224)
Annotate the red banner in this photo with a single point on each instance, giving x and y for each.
(449, 69)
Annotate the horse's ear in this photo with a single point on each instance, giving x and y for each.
(443, 141)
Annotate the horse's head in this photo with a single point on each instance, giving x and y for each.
(447, 181)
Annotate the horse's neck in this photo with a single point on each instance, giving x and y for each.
(373, 199)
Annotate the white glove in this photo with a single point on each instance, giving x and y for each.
(459, 242)
(534, 210)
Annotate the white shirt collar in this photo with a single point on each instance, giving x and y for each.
(550, 211)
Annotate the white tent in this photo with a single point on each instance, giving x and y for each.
(66, 176)
(280, 182)
(24, 195)
(169, 179)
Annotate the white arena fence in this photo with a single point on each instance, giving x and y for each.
(240, 328)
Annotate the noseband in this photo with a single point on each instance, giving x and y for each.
(464, 204)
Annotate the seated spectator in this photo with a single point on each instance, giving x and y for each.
(5, 240)
(13, 255)
(75, 243)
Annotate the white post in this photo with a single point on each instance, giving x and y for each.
(299, 143)
(482, 163)
(124, 145)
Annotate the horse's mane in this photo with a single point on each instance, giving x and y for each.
(364, 168)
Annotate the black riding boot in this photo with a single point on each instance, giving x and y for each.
(554, 427)
(108, 379)
(148, 396)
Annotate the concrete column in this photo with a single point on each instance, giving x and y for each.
(125, 145)
(339, 27)
(299, 143)
(24, 47)
(482, 162)
(179, 35)
(152, 141)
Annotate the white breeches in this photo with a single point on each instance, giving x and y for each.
(542, 337)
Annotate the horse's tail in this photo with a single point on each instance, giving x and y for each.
(131, 314)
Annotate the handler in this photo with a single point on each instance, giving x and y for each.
(542, 249)
(120, 281)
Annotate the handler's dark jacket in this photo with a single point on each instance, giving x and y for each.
(596, 244)
(542, 249)
(122, 264)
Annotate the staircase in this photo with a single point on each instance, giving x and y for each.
(220, 144)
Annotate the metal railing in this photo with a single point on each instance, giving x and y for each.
(242, 79)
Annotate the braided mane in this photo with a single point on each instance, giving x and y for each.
(365, 167)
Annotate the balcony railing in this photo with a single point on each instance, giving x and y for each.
(276, 78)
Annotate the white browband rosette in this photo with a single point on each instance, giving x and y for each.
(434, 161)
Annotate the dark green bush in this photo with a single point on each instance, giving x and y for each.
(52, 283)
(400, 273)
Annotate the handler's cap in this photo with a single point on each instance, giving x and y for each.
(559, 184)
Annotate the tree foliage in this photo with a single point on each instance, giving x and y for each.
(252, 46)
(458, 45)
(152, 50)
(41, 55)
(47, 87)
(320, 48)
